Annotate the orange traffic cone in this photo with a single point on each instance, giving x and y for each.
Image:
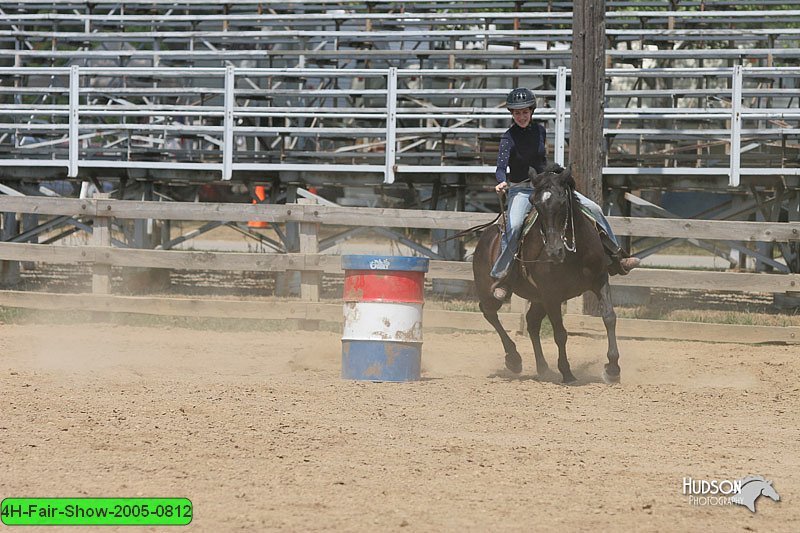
(261, 194)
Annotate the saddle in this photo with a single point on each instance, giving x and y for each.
(518, 267)
(616, 256)
(530, 220)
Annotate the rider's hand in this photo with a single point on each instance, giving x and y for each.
(501, 187)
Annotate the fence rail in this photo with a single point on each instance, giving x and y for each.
(102, 256)
(382, 217)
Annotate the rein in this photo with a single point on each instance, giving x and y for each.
(480, 227)
(569, 220)
(467, 231)
(571, 214)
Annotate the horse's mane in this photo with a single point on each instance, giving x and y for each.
(750, 479)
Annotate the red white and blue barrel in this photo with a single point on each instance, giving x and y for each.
(383, 299)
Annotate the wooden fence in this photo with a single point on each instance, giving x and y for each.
(102, 256)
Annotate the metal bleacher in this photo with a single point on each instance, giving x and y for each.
(699, 94)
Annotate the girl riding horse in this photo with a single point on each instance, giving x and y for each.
(522, 147)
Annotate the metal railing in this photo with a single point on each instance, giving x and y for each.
(226, 109)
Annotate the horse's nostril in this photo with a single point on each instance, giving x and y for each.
(555, 255)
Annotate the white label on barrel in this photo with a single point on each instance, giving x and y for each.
(379, 264)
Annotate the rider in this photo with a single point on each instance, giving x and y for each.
(521, 147)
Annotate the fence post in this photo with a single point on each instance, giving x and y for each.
(227, 121)
(30, 221)
(309, 244)
(561, 115)
(520, 305)
(74, 102)
(736, 125)
(9, 270)
(286, 283)
(310, 280)
(101, 237)
(391, 124)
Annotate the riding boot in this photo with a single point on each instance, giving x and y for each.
(621, 263)
(501, 289)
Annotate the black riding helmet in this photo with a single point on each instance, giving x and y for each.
(521, 98)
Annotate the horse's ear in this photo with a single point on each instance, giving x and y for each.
(548, 173)
(536, 179)
(567, 179)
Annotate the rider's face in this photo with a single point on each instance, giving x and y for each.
(522, 116)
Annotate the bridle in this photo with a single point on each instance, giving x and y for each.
(569, 220)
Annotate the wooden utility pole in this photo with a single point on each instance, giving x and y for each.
(587, 148)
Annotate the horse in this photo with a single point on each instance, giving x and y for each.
(561, 257)
(752, 488)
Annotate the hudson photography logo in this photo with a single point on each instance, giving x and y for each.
(743, 491)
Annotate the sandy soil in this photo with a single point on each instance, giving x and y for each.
(259, 431)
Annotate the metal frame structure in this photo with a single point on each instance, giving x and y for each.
(700, 94)
(78, 119)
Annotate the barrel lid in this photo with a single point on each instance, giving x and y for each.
(385, 262)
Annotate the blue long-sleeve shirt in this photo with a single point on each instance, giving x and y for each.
(521, 149)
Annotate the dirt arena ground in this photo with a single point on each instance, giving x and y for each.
(259, 431)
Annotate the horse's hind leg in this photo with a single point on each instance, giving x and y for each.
(560, 336)
(611, 371)
(513, 359)
(534, 319)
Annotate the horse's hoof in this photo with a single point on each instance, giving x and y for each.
(610, 379)
(569, 379)
(514, 363)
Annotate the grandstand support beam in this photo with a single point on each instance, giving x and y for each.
(587, 150)
(391, 125)
(587, 144)
(736, 126)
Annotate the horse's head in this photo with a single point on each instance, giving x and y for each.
(769, 491)
(553, 189)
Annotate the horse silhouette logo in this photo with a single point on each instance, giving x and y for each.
(752, 488)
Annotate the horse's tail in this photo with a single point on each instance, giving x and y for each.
(467, 231)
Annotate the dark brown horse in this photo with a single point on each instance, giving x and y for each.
(561, 258)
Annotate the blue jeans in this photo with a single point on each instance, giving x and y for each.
(518, 207)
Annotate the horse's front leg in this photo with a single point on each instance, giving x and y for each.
(513, 359)
(534, 320)
(611, 371)
(560, 335)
